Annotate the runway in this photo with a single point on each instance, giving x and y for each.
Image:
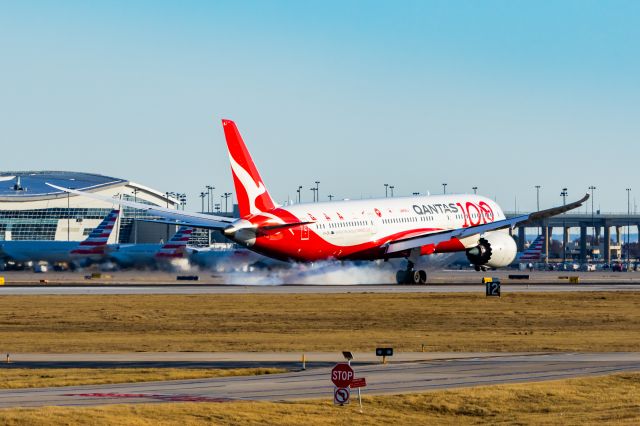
(261, 282)
(306, 289)
(466, 370)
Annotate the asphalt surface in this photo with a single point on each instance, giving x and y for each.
(308, 289)
(345, 280)
(395, 378)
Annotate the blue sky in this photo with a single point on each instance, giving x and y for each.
(502, 95)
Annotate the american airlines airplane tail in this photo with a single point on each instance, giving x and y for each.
(251, 193)
(96, 242)
(176, 247)
(534, 252)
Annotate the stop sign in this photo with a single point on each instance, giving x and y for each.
(342, 375)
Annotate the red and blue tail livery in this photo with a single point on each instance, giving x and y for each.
(176, 247)
(96, 242)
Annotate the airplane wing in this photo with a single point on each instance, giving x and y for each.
(184, 218)
(194, 223)
(459, 233)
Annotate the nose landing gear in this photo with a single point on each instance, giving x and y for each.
(411, 276)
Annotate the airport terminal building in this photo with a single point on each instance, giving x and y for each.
(31, 210)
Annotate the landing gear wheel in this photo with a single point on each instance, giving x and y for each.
(411, 277)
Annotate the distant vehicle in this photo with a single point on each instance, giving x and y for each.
(588, 267)
(569, 266)
(383, 228)
(71, 253)
(618, 267)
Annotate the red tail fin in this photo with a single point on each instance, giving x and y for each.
(250, 191)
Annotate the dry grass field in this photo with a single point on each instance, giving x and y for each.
(17, 378)
(611, 399)
(321, 322)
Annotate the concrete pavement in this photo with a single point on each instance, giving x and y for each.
(399, 377)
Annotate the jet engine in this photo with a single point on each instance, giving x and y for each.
(494, 250)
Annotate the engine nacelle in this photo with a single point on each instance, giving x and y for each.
(494, 250)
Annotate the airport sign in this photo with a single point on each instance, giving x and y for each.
(342, 375)
(341, 396)
(384, 351)
(359, 382)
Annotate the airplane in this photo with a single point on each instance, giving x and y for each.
(383, 228)
(129, 255)
(533, 253)
(73, 253)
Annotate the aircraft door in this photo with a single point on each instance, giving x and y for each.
(304, 233)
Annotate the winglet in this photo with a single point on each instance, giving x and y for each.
(542, 214)
(251, 193)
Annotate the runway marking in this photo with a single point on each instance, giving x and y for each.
(171, 398)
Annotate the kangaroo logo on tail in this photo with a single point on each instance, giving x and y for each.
(251, 193)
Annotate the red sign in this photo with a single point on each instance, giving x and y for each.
(342, 375)
(360, 382)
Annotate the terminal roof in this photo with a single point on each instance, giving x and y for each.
(27, 184)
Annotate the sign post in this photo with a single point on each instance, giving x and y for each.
(384, 353)
(341, 376)
(492, 287)
(358, 383)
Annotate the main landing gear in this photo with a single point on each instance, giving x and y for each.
(411, 276)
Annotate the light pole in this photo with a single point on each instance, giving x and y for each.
(135, 217)
(318, 190)
(538, 207)
(391, 188)
(444, 188)
(628, 224)
(202, 195)
(312, 189)
(210, 189)
(167, 195)
(593, 220)
(299, 195)
(475, 190)
(564, 195)
(386, 189)
(68, 217)
(226, 198)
